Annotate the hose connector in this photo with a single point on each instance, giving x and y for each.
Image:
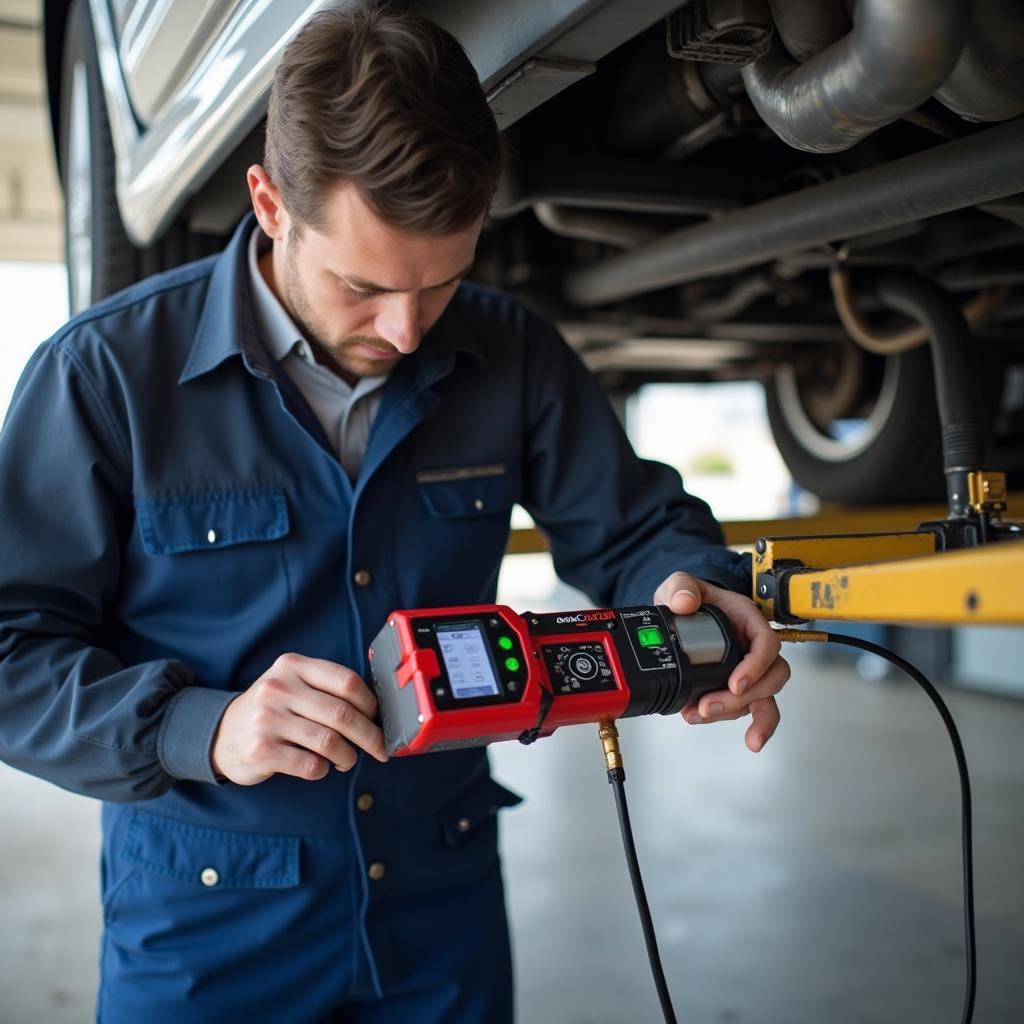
(610, 741)
(802, 636)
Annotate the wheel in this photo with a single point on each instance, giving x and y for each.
(857, 428)
(101, 258)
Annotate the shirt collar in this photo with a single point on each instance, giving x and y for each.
(226, 327)
(277, 329)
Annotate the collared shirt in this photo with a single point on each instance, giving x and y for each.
(346, 413)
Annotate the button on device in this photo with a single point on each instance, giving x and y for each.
(505, 643)
(376, 871)
(583, 665)
(364, 801)
(512, 664)
(362, 578)
(209, 877)
(212, 536)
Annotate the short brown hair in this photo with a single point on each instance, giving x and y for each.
(385, 99)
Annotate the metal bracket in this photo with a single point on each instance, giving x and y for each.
(720, 31)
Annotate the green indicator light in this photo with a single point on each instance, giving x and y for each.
(650, 636)
(505, 643)
(512, 664)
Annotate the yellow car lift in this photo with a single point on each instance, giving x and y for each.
(895, 577)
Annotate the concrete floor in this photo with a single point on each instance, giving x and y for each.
(816, 882)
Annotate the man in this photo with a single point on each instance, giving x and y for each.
(217, 484)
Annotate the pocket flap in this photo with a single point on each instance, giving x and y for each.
(478, 804)
(216, 519)
(464, 499)
(211, 857)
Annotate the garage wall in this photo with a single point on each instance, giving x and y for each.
(30, 199)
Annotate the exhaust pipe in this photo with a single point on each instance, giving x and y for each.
(976, 169)
(895, 58)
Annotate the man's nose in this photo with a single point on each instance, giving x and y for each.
(398, 322)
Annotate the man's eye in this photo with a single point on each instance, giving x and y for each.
(357, 294)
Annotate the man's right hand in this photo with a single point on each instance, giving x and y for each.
(299, 718)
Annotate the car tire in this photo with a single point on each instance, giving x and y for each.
(101, 258)
(895, 455)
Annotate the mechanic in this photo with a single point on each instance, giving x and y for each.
(216, 485)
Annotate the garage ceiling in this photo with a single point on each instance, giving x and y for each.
(30, 199)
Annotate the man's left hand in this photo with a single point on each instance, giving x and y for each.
(756, 680)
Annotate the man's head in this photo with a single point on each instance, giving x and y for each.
(382, 157)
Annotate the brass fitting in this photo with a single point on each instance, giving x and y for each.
(802, 636)
(610, 740)
(987, 492)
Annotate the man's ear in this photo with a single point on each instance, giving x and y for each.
(266, 203)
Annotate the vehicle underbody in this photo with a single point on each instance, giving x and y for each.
(735, 191)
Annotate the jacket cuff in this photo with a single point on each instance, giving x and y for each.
(187, 730)
(729, 570)
(740, 582)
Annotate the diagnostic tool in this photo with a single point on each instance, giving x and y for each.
(462, 677)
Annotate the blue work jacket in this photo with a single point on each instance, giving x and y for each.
(174, 519)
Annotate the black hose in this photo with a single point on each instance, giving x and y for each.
(965, 800)
(956, 376)
(617, 778)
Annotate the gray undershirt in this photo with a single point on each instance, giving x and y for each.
(346, 413)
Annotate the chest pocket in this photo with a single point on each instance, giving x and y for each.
(211, 560)
(460, 535)
(468, 494)
(201, 522)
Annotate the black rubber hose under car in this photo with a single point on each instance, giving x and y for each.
(955, 368)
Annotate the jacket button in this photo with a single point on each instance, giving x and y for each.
(212, 536)
(463, 824)
(209, 877)
(364, 801)
(362, 578)
(479, 504)
(376, 871)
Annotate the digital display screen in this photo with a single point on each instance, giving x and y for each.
(467, 660)
(650, 636)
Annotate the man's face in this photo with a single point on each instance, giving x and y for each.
(364, 292)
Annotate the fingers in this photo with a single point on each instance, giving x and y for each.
(681, 592)
(692, 715)
(724, 702)
(330, 677)
(300, 763)
(765, 717)
(758, 702)
(263, 750)
(339, 718)
(761, 657)
(334, 697)
(318, 739)
(760, 674)
(763, 646)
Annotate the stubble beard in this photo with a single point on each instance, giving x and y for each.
(336, 356)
